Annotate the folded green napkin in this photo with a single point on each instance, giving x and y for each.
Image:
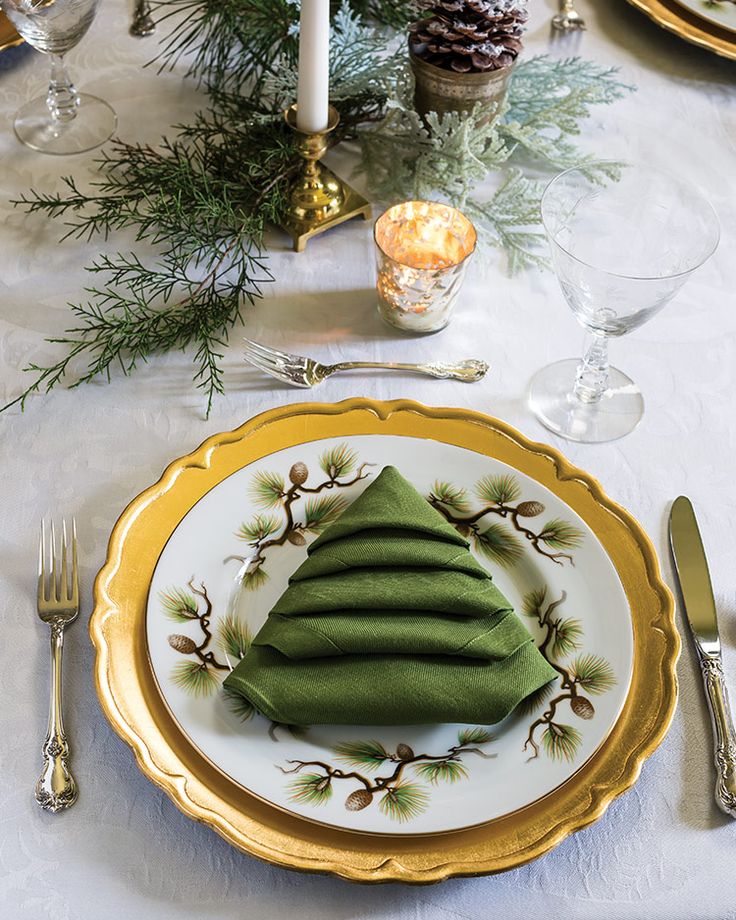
(390, 620)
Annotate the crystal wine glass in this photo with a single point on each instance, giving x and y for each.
(624, 238)
(64, 121)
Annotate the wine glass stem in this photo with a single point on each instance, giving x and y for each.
(592, 376)
(62, 98)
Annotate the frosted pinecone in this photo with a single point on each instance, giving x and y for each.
(469, 36)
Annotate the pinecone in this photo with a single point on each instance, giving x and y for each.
(404, 752)
(529, 509)
(296, 538)
(469, 36)
(582, 707)
(358, 800)
(298, 474)
(182, 644)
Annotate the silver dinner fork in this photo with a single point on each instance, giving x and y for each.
(568, 19)
(58, 606)
(300, 371)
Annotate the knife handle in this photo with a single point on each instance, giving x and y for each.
(724, 736)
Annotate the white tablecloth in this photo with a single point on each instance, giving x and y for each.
(662, 849)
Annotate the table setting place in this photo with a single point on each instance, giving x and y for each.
(464, 614)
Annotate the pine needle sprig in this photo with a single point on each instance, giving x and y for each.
(394, 13)
(231, 43)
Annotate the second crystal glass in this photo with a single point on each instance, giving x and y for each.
(64, 121)
(621, 247)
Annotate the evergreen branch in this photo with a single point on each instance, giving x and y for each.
(232, 43)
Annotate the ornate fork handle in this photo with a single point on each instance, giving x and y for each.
(56, 788)
(724, 736)
(468, 371)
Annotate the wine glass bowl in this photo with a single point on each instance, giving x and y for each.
(50, 26)
(623, 240)
(64, 121)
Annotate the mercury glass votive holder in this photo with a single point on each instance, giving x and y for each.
(422, 250)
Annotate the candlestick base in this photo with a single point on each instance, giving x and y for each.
(318, 199)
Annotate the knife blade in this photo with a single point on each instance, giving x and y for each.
(694, 577)
(691, 567)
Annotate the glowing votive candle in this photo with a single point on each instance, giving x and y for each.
(422, 250)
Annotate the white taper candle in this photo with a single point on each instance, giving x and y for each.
(313, 92)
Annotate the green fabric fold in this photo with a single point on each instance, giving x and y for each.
(390, 501)
(400, 633)
(390, 620)
(389, 548)
(387, 689)
(406, 589)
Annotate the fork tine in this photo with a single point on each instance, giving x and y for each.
(75, 573)
(264, 366)
(64, 582)
(264, 359)
(54, 589)
(41, 566)
(268, 352)
(272, 360)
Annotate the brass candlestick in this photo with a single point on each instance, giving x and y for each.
(318, 199)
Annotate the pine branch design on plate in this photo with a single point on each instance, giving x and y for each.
(200, 673)
(500, 495)
(277, 524)
(399, 797)
(585, 676)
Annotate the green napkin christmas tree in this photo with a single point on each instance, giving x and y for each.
(390, 621)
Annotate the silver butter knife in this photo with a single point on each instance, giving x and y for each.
(692, 571)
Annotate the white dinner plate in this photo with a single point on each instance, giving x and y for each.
(409, 779)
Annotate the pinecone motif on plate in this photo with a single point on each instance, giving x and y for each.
(299, 473)
(358, 800)
(469, 36)
(404, 752)
(529, 509)
(582, 707)
(182, 644)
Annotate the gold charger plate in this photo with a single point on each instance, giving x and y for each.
(675, 18)
(8, 36)
(134, 706)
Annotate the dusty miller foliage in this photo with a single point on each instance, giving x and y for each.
(450, 157)
(200, 201)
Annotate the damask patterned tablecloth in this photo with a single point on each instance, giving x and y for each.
(662, 850)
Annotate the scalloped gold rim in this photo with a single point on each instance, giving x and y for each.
(681, 22)
(136, 711)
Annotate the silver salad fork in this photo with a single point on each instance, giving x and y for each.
(304, 372)
(58, 606)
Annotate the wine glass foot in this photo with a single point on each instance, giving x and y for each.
(552, 400)
(94, 124)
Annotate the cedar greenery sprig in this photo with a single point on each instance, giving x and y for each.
(208, 224)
